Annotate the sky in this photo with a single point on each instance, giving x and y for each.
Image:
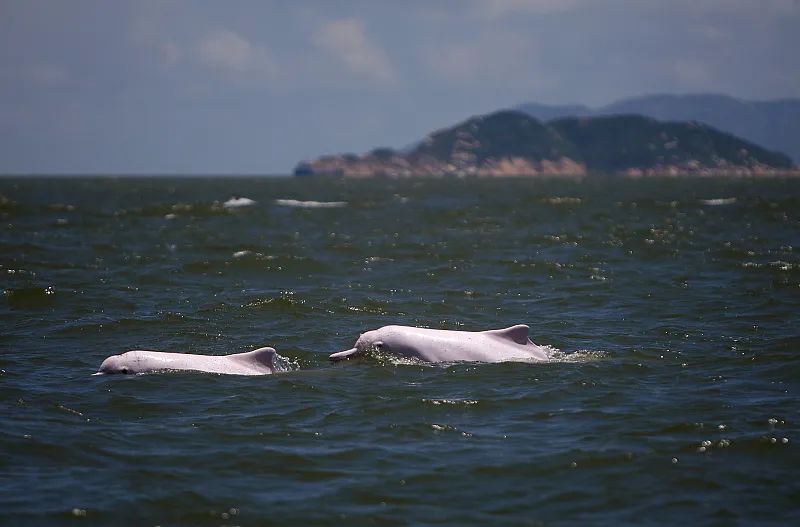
(254, 87)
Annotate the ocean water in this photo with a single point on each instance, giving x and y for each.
(674, 397)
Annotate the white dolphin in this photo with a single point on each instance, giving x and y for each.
(438, 345)
(256, 362)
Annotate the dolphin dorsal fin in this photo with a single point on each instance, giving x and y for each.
(517, 334)
(263, 356)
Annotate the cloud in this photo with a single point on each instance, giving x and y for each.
(227, 51)
(346, 41)
(149, 31)
(504, 8)
(502, 56)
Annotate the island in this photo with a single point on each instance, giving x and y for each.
(513, 143)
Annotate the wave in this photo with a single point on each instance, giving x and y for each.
(30, 297)
(718, 201)
(310, 204)
(236, 202)
(562, 200)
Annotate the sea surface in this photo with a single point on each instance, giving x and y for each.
(674, 397)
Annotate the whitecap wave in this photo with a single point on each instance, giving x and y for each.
(718, 201)
(562, 200)
(237, 202)
(310, 204)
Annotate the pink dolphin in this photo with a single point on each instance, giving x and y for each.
(437, 345)
(256, 362)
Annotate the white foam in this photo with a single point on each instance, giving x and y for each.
(718, 201)
(556, 355)
(454, 402)
(238, 202)
(283, 364)
(562, 200)
(310, 204)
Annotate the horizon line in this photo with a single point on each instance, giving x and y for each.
(141, 174)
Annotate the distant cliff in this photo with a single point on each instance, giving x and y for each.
(513, 143)
(772, 124)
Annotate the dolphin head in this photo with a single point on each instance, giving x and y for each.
(125, 363)
(369, 341)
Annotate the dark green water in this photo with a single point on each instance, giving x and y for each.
(675, 304)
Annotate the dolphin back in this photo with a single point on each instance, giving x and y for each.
(517, 334)
(257, 362)
(261, 358)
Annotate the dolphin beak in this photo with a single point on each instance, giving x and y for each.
(98, 373)
(343, 354)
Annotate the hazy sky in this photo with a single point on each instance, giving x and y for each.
(178, 86)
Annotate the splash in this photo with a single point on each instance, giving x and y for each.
(553, 355)
(387, 359)
(285, 364)
(578, 356)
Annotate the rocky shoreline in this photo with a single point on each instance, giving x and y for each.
(398, 167)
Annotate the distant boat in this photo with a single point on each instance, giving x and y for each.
(303, 169)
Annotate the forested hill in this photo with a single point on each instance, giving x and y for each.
(772, 124)
(515, 143)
